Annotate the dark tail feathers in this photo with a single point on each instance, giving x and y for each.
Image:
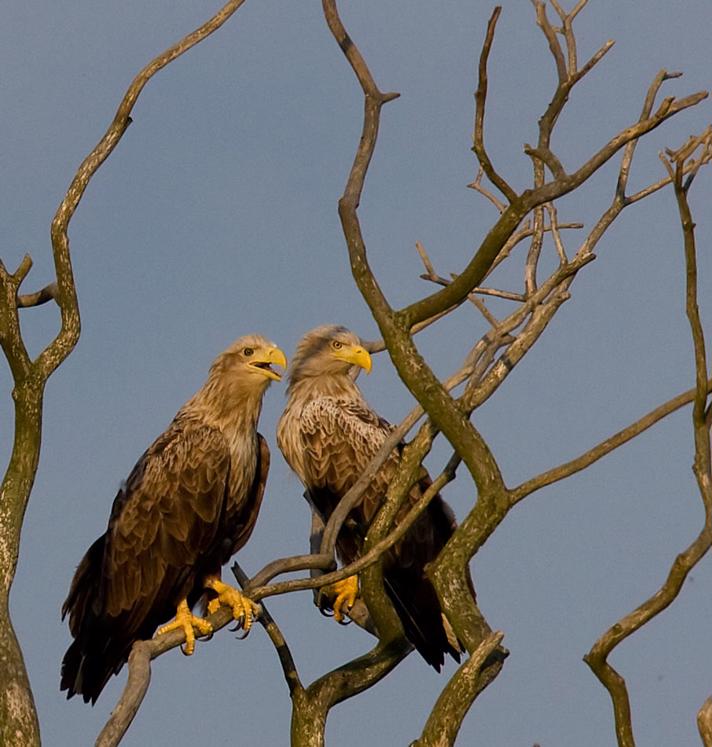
(92, 658)
(418, 608)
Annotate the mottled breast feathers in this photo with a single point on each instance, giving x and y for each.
(339, 437)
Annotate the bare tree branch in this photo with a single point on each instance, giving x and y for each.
(604, 447)
(556, 52)
(492, 244)
(456, 600)
(478, 146)
(451, 707)
(311, 706)
(478, 187)
(597, 658)
(313, 561)
(53, 355)
(284, 655)
(19, 726)
(42, 296)
(365, 560)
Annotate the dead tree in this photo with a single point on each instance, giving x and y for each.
(525, 229)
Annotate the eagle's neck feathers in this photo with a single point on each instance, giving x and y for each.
(339, 386)
(228, 405)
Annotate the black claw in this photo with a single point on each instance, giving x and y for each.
(238, 624)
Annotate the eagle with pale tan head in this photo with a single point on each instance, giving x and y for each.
(187, 507)
(328, 435)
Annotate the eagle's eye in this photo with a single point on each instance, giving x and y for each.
(247, 352)
(336, 345)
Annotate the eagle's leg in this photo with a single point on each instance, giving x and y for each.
(243, 608)
(187, 621)
(344, 594)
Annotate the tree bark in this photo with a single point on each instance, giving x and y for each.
(19, 726)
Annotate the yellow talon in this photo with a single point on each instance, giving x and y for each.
(187, 621)
(244, 610)
(345, 592)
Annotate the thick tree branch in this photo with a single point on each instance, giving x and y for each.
(311, 706)
(467, 622)
(457, 697)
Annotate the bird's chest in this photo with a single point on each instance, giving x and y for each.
(243, 465)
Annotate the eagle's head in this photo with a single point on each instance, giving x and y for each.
(329, 350)
(249, 360)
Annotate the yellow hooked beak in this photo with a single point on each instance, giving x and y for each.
(356, 355)
(264, 357)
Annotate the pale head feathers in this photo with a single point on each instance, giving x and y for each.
(249, 359)
(320, 355)
(237, 381)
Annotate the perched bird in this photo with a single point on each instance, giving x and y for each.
(188, 505)
(328, 435)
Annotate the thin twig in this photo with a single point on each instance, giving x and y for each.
(313, 561)
(556, 233)
(478, 145)
(478, 187)
(494, 292)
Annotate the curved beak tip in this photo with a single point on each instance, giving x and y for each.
(364, 359)
(278, 358)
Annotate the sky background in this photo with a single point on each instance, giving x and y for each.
(216, 216)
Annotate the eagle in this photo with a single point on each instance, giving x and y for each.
(328, 434)
(189, 504)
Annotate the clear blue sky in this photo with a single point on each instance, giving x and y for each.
(216, 216)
